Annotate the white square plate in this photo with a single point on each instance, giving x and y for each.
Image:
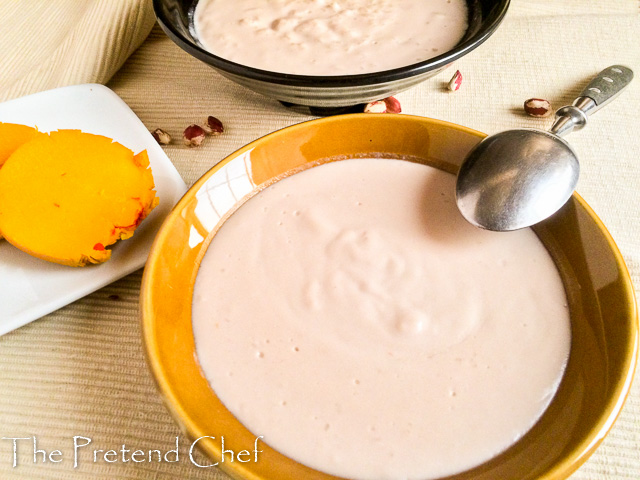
(30, 287)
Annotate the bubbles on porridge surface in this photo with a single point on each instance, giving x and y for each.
(357, 392)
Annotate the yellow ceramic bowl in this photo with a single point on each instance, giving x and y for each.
(603, 309)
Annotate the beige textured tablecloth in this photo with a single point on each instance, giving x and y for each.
(80, 371)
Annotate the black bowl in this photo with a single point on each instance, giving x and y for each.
(176, 19)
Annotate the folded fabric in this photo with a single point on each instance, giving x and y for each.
(55, 43)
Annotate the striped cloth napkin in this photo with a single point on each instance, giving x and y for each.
(48, 44)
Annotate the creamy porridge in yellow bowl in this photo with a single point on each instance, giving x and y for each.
(319, 290)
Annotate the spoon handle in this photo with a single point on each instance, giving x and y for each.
(606, 86)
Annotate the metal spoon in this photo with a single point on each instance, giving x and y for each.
(517, 178)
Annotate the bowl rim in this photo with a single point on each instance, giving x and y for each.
(568, 464)
(320, 81)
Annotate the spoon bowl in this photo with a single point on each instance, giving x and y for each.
(516, 178)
